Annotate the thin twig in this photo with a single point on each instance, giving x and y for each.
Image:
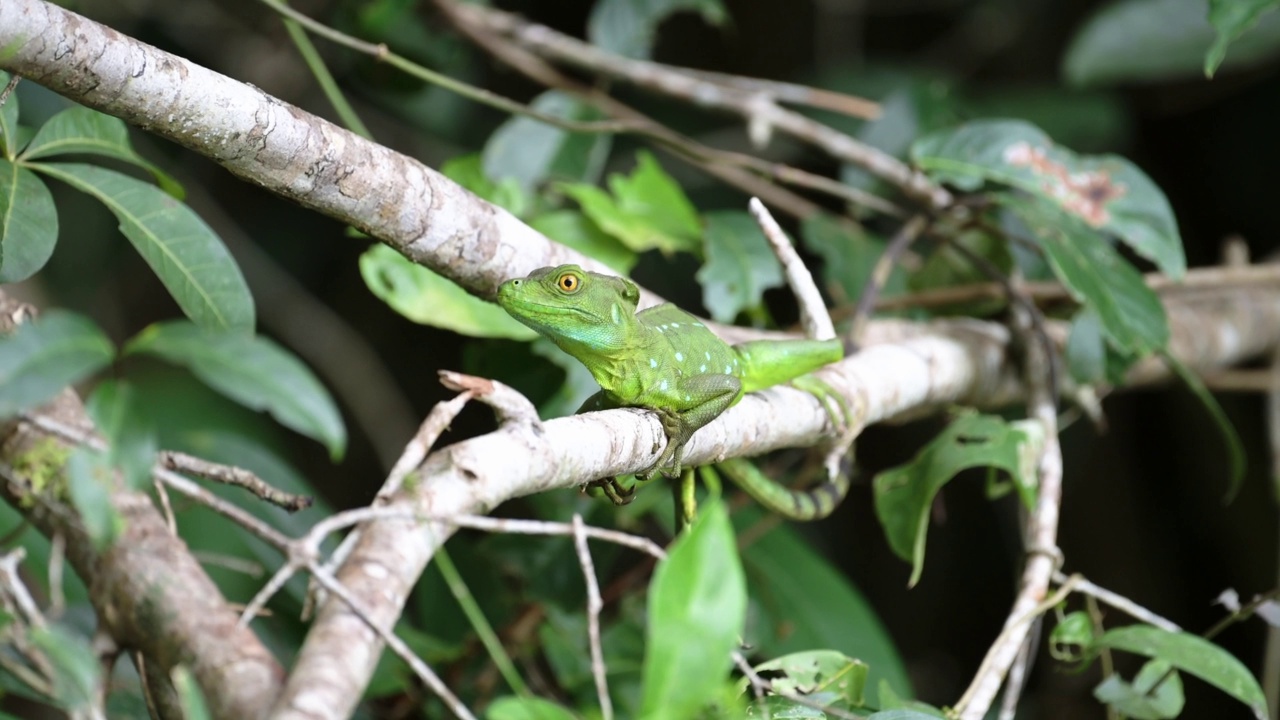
(1043, 554)
(1117, 601)
(8, 88)
(166, 507)
(813, 312)
(902, 240)
(761, 686)
(594, 605)
(239, 477)
(1017, 678)
(57, 563)
(231, 511)
(16, 589)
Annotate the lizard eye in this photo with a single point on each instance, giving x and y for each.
(569, 282)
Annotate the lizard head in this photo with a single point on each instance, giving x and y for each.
(577, 309)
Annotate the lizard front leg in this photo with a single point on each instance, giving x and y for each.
(703, 398)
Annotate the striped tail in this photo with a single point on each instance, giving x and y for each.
(813, 503)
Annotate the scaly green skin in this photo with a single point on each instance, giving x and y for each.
(666, 360)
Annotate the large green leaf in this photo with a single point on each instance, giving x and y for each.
(904, 495)
(1194, 655)
(426, 297)
(76, 675)
(253, 371)
(117, 411)
(817, 606)
(531, 152)
(740, 265)
(467, 171)
(8, 122)
(1231, 19)
(1096, 275)
(849, 255)
(1161, 40)
(1106, 192)
(89, 481)
(627, 27)
(184, 252)
(576, 230)
(529, 708)
(646, 210)
(79, 130)
(1144, 699)
(43, 356)
(697, 607)
(831, 675)
(28, 223)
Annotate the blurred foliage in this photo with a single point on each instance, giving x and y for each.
(1084, 138)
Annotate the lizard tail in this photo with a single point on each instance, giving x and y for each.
(812, 503)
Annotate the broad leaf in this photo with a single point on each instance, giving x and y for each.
(184, 252)
(43, 356)
(646, 210)
(530, 152)
(1106, 192)
(9, 143)
(575, 230)
(904, 714)
(1096, 275)
(697, 607)
(740, 265)
(253, 371)
(1086, 348)
(89, 482)
(849, 255)
(1143, 699)
(904, 495)
(1193, 655)
(1072, 637)
(527, 708)
(431, 299)
(76, 675)
(466, 170)
(79, 130)
(1161, 40)
(190, 697)
(814, 606)
(627, 27)
(1231, 19)
(28, 223)
(117, 412)
(834, 676)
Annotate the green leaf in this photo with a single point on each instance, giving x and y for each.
(1235, 447)
(79, 130)
(190, 697)
(1159, 41)
(740, 265)
(1071, 637)
(1086, 349)
(627, 27)
(76, 674)
(43, 356)
(817, 605)
(184, 252)
(466, 170)
(904, 495)
(849, 255)
(253, 371)
(1231, 19)
(829, 673)
(904, 714)
(1193, 655)
(431, 299)
(1106, 192)
(1144, 699)
(131, 437)
(647, 210)
(28, 223)
(89, 480)
(1096, 275)
(530, 152)
(528, 708)
(697, 607)
(573, 229)
(8, 121)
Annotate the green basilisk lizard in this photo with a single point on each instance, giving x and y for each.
(666, 360)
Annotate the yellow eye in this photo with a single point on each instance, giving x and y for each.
(569, 282)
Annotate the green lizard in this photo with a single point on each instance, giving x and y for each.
(666, 360)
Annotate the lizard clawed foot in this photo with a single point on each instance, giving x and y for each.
(612, 489)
